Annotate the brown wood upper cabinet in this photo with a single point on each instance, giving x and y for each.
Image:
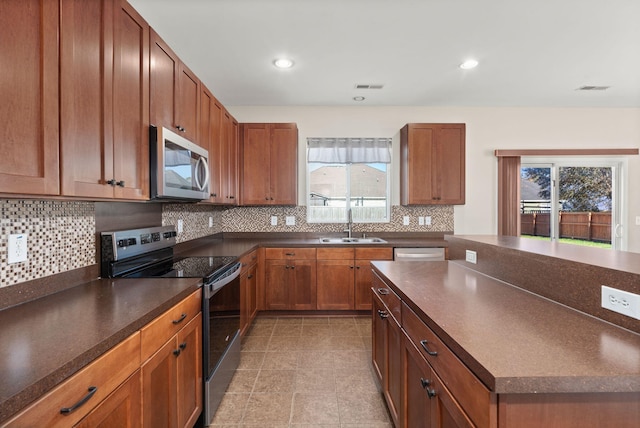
(432, 165)
(175, 91)
(29, 92)
(269, 164)
(104, 98)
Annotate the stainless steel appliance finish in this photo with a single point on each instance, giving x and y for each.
(179, 168)
(418, 254)
(148, 253)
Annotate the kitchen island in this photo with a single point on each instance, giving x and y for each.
(528, 361)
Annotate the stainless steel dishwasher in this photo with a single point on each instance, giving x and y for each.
(418, 254)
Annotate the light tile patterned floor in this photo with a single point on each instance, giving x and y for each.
(305, 372)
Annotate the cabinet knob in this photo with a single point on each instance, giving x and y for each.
(111, 182)
(180, 128)
(176, 352)
(431, 393)
(425, 382)
(350, 267)
(232, 197)
(120, 183)
(214, 195)
(183, 345)
(383, 291)
(266, 198)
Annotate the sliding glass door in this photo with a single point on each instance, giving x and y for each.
(576, 202)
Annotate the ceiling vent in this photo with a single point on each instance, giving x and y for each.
(369, 86)
(593, 88)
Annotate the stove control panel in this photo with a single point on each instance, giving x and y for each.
(123, 244)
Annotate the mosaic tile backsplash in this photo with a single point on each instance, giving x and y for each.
(60, 237)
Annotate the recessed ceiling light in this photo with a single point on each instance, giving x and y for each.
(358, 98)
(468, 64)
(283, 63)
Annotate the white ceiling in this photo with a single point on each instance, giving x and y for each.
(531, 52)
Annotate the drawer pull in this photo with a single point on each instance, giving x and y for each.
(383, 314)
(423, 343)
(425, 382)
(183, 345)
(179, 320)
(383, 291)
(289, 254)
(67, 410)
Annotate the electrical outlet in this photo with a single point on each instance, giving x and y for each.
(17, 248)
(210, 221)
(405, 220)
(290, 220)
(421, 221)
(638, 220)
(427, 220)
(274, 220)
(180, 226)
(471, 257)
(622, 302)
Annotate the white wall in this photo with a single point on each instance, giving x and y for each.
(488, 129)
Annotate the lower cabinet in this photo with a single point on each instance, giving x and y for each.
(248, 290)
(290, 279)
(172, 379)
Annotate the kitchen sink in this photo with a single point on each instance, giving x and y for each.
(352, 241)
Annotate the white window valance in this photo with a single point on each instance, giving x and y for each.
(349, 150)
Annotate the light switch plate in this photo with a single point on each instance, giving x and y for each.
(405, 220)
(17, 248)
(427, 220)
(290, 220)
(274, 220)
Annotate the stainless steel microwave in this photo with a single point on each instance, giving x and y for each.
(179, 168)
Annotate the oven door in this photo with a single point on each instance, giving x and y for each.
(221, 337)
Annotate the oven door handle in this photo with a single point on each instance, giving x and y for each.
(213, 287)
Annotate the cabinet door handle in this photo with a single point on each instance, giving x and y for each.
(350, 267)
(232, 197)
(180, 128)
(425, 382)
(120, 183)
(289, 254)
(176, 352)
(179, 320)
(431, 393)
(213, 195)
(383, 314)
(423, 343)
(183, 345)
(383, 291)
(249, 276)
(112, 182)
(357, 267)
(67, 410)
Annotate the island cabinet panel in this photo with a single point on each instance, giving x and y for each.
(363, 274)
(104, 100)
(386, 355)
(290, 279)
(88, 390)
(29, 153)
(432, 164)
(248, 290)
(269, 163)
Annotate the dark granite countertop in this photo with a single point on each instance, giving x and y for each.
(513, 340)
(216, 246)
(47, 340)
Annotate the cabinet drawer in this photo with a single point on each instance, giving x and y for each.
(158, 331)
(335, 253)
(468, 391)
(291, 253)
(248, 260)
(104, 374)
(374, 253)
(386, 294)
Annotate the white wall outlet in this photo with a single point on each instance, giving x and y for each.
(405, 220)
(622, 302)
(427, 220)
(290, 220)
(421, 220)
(274, 220)
(180, 226)
(17, 248)
(638, 220)
(471, 257)
(210, 221)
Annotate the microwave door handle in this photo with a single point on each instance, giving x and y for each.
(202, 162)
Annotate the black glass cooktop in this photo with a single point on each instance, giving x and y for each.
(184, 267)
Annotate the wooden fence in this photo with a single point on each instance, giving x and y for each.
(588, 226)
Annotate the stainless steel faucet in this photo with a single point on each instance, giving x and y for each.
(349, 222)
